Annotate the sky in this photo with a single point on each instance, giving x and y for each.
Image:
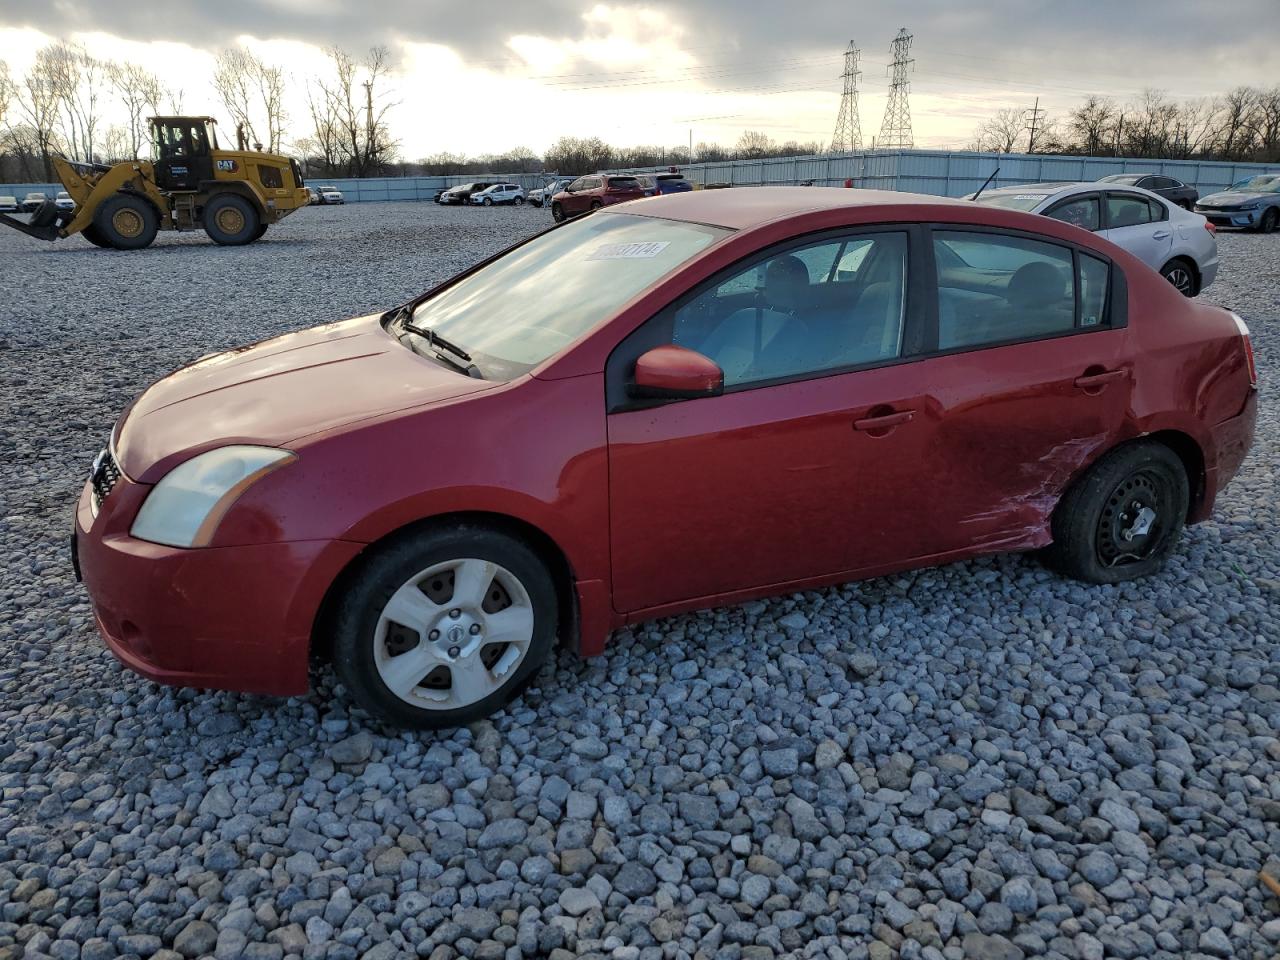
(486, 76)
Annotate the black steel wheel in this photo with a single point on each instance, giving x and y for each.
(1122, 519)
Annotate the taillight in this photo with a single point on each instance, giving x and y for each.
(1248, 349)
(1208, 225)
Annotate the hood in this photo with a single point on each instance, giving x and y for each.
(277, 391)
(1231, 198)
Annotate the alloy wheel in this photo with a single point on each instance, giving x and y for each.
(453, 633)
(1181, 279)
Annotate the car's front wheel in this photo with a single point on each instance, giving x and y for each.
(1270, 220)
(519, 201)
(557, 213)
(1181, 274)
(1122, 519)
(488, 201)
(443, 628)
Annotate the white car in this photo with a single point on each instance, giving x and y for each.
(544, 193)
(329, 195)
(8, 204)
(63, 201)
(1174, 242)
(499, 193)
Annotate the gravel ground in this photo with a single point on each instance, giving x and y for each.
(978, 761)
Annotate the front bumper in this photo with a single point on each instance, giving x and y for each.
(228, 618)
(1230, 218)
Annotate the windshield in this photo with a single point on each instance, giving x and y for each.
(1262, 184)
(1012, 201)
(539, 298)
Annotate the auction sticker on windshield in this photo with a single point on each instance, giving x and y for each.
(629, 251)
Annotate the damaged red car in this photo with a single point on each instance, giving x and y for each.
(685, 401)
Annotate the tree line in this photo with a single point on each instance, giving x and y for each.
(337, 122)
(1243, 125)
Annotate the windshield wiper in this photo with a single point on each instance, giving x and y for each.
(434, 340)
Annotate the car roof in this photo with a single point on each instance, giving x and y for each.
(1067, 189)
(743, 207)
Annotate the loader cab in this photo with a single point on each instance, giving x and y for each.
(183, 149)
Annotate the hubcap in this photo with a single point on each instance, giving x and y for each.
(1133, 522)
(1180, 277)
(127, 223)
(229, 220)
(453, 634)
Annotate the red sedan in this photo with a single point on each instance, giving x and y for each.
(591, 193)
(690, 401)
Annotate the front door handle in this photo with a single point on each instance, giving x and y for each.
(1096, 381)
(883, 421)
(1160, 235)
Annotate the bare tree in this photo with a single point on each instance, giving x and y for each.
(753, 144)
(233, 79)
(352, 111)
(7, 93)
(140, 93)
(1265, 124)
(271, 80)
(1001, 132)
(76, 78)
(1233, 134)
(37, 100)
(1092, 123)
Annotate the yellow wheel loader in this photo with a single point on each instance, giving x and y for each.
(192, 184)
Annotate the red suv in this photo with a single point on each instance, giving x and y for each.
(593, 192)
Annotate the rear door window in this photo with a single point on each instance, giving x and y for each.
(1082, 212)
(1127, 210)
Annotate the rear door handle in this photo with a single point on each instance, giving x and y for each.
(1160, 235)
(1093, 381)
(884, 421)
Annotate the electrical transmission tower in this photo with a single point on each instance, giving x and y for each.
(848, 133)
(895, 131)
(1035, 120)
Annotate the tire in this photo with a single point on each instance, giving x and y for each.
(488, 201)
(1100, 532)
(536, 203)
(421, 570)
(1182, 274)
(596, 204)
(231, 220)
(557, 213)
(126, 222)
(258, 234)
(91, 234)
(519, 201)
(1269, 220)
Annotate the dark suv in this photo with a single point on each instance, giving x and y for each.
(461, 194)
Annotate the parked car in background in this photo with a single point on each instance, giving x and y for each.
(671, 182)
(9, 204)
(647, 183)
(32, 201)
(461, 194)
(499, 193)
(544, 193)
(329, 195)
(723, 398)
(1167, 187)
(313, 195)
(1253, 203)
(1177, 244)
(592, 192)
(63, 201)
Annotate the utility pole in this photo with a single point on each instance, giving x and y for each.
(691, 144)
(1035, 118)
(368, 124)
(895, 129)
(1119, 133)
(848, 132)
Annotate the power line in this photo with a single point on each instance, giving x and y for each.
(848, 132)
(895, 130)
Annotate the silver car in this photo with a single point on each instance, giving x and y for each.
(1178, 244)
(1254, 202)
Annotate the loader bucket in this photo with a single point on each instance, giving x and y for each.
(45, 224)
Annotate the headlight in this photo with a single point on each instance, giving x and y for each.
(1251, 206)
(185, 507)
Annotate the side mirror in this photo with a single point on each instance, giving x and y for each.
(671, 372)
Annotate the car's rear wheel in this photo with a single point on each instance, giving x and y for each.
(557, 213)
(596, 204)
(519, 201)
(1182, 275)
(443, 628)
(1122, 519)
(126, 222)
(1270, 220)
